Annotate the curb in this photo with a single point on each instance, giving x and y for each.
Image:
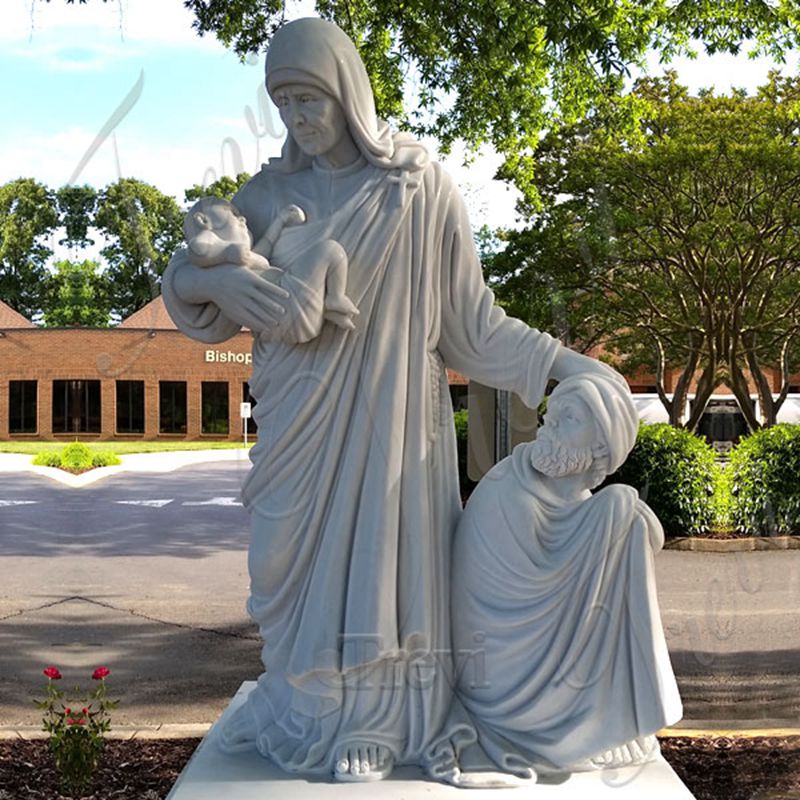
(728, 733)
(122, 732)
(162, 461)
(697, 544)
(199, 730)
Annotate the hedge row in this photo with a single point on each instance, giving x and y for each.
(757, 493)
(679, 477)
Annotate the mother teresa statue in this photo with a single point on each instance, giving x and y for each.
(353, 493)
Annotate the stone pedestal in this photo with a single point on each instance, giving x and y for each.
(212, 774)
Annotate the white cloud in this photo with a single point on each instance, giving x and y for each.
(136, 22)
(723, 71)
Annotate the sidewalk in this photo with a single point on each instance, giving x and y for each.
(165, 461)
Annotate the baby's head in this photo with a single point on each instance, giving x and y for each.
(219, 216)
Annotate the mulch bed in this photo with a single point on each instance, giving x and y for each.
(718, 768)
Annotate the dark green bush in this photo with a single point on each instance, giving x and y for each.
(675, 473)
(765, 482)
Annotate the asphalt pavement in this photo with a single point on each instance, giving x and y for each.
(144, 570)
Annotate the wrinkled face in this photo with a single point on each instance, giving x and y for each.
(314, 119)
(563, 445)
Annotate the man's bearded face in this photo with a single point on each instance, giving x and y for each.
(555, 459)
(563, 445)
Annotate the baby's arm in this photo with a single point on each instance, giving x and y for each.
(206, 249)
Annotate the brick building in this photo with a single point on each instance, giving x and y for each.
(143, 379)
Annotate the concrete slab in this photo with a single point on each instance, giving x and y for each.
(211, 774)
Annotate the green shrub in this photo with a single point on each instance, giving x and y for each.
(675, 473)
(105, 458)
(76, 456)
(48, 458)
(461, 420)
(765, 482)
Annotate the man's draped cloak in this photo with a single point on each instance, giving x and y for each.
(556, 620)
(354, 487)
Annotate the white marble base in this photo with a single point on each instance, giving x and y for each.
(211, 775)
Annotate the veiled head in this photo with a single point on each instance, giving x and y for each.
(315, 53)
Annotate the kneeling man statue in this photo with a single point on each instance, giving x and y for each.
(554, 599)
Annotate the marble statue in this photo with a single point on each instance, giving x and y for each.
(554, 587)
(353, 494)
(216, 233)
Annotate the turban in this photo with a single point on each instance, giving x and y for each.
(612, 409)
(318, 53)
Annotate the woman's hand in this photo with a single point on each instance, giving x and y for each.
(569, 363)
(239, 292)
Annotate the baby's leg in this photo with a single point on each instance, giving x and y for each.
(339, 309)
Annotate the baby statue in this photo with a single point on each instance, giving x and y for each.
(216, 233)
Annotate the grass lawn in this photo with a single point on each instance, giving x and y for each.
(120, 448)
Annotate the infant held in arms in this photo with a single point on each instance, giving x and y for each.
(216, 233)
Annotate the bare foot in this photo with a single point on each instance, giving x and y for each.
(341, 310)
(637, 751)
(359, 761)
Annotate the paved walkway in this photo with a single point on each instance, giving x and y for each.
(165, 461)
(220, 655)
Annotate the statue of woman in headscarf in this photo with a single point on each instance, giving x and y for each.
(354, 494)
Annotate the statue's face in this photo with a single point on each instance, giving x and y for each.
(570, 420)
(563, 445)
(314, 119)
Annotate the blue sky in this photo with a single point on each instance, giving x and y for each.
(67, 68)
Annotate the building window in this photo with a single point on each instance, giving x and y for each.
(172, 406)
(214, 407)
(22, 406)
(76, 406)
(130, 406)
(248, 398)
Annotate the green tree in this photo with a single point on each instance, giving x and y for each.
(76, 208)
(27, 216)
(77, 294)
(144, 227)
(223, 187)
(502, 71)
(679, 247)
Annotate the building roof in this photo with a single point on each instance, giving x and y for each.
(154, 316)
(12, 319)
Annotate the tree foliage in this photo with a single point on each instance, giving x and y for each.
(222, 187)
(28, 214)
(679, 246)
(76, 293)
(502, 71)
(144, 228)
(76, 208)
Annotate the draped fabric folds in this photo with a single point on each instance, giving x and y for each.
(556, 606)
(354, 489)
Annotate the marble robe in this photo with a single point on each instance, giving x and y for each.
(555, 617)
(353, 493)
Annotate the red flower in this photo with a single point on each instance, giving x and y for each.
(84, 711)
(74, 721)
(52, 673)
(100, 673)
(67, 712)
